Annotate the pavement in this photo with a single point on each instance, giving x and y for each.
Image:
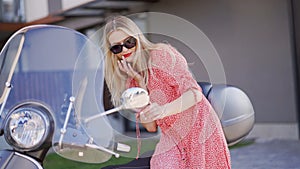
(267, 154)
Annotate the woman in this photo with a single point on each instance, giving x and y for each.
(191, 134)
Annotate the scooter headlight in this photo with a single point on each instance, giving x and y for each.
(27, 127)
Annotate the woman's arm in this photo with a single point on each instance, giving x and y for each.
(149, 126)
(185, 101)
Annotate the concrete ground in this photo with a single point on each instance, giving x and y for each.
(267, 154)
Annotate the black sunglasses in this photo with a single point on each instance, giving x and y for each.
(129, 43)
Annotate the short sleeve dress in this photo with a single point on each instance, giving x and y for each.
(192, 139)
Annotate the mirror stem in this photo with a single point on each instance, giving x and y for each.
(103, 114)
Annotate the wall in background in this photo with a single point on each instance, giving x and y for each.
(254, 41)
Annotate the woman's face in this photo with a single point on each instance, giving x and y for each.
(119, 37)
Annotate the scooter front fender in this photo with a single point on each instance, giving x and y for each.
(12, 160)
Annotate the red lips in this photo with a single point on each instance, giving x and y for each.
(127, 55)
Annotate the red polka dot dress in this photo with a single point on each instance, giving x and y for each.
(192, 139)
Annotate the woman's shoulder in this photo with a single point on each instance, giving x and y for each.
(164, 55)
(160, 53)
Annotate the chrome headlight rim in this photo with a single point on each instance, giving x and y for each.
(39, 109)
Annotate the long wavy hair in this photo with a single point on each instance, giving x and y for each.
(115, 79)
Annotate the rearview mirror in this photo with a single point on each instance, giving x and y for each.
(131, 98)
(134, 98)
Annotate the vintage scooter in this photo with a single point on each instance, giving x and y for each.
(51, 88)
(51, 83)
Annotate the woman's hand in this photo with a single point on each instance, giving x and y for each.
(127, 68)
(152, 112)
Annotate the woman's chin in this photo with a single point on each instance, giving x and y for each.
(129, 58)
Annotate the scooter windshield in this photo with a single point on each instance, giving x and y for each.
(63, 70)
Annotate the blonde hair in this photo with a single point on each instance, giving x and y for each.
(115, 79)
